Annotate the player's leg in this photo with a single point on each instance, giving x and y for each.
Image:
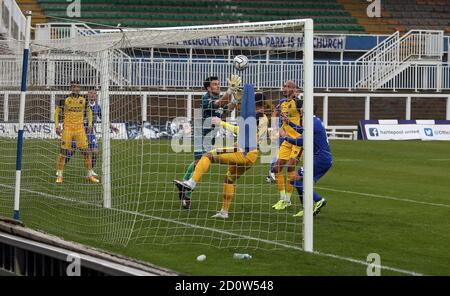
(82, 144)
(291, 172)
(188, 175)
(93, 150)
(200, 169)
(320, 169)
(220, 155)
(228, 192)
(283, 157)
(234, 173)
(66, 142)
(71, 152)
(271, 176)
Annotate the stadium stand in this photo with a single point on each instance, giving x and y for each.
(329, 15)
(423, 14)
(402, 15)
(358, 10)
(38, 14)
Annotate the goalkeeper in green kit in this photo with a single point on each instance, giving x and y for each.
(213, 105)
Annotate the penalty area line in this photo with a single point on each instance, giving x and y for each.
(385, 197)
(287, 246)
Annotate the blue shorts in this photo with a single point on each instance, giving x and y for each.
(92, 141)
(321, 167)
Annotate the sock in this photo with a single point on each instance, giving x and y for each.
(60, 162)
(282, 195)
(298, 184)
(187, 176)
(228, 194)
(189, 171)
(201, 168)
(94, 159)
(59, 173)
(191, 182)
(289, 186)
(87, 162)
(279, 180)
(316, 197)
(288, 196)
(271, 167)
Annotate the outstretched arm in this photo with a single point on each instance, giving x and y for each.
(231, 127)
(56, 119)
(295, 141)
(297, 128)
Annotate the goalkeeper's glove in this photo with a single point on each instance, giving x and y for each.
(236, 97)
(234, 83)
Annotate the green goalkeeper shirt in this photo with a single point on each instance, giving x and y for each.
(209, 108)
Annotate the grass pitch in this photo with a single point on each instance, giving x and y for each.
(390, 198)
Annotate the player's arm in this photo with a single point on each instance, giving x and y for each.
(56, 119)
(298, 128)
(233, 93)
(230, 127)
(90, 117)
(294, 141)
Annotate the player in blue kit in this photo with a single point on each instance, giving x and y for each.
(323, 159)
(92, 141)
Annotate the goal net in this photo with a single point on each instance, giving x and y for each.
(149, 84)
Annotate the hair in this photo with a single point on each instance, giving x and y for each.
(207, 81)
(74, 82)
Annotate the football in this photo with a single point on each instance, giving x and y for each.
(240, 62)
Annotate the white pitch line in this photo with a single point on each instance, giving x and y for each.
(386, 197)
(342, 258)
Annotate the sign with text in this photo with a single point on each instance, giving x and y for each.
(405, 131)
(47, 131)
(282, 41)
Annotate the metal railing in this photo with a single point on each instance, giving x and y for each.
(163, 74)
(12, 19)
(395, 54)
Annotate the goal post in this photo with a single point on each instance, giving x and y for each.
(23, 90)
(149, 85)
(308, 135)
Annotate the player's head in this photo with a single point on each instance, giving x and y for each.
(259, 106)
(75, 87)
(259, 101)
(92, 96)
(289, 89)
(212, 85)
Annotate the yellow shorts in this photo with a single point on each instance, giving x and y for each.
(288, 151)
(234, 157)
(78, 135)
(238, 162)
